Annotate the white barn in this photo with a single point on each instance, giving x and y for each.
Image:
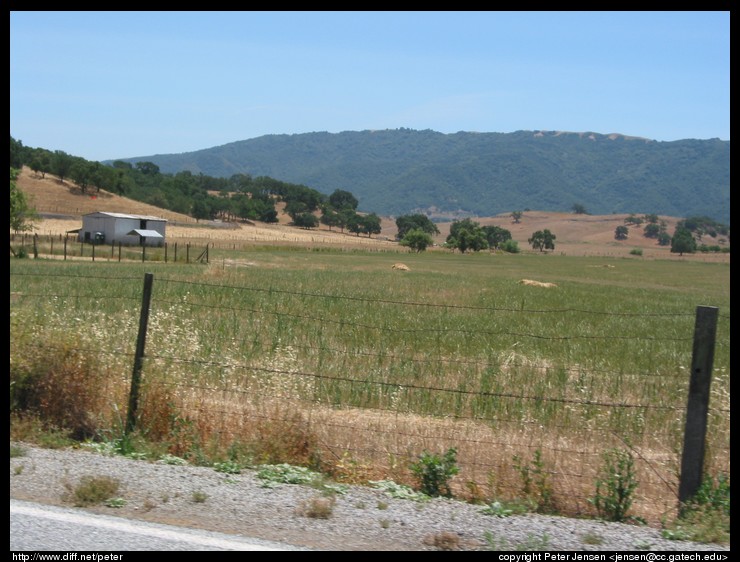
(131, 230)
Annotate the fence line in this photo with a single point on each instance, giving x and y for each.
(359, 380)
(375, 399)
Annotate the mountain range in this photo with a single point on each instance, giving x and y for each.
(447, 176)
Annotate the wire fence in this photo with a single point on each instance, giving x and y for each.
(66, 247)
(361, 385)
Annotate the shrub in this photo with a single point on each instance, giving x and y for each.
(61, 385)
(510, 246)
(616, 486)
(398, 491)
(227, 467)
(706, 517)
(711, 495)
(285, 440)
(434, 472)
(17, 451)
(318, 507)
(536, 484)
(93, 490)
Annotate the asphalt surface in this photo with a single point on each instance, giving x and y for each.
(37, 527)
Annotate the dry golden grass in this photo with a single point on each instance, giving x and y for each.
(358, 445)
(577, 235)
(63, 204)
(587, 235)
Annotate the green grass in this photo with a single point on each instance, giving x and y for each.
(17, 451)
(456, 337)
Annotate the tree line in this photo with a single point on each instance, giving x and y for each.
(686, 236)
(243, 197)
(239, 197)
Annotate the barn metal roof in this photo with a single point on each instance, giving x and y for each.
(146, 233)
(126, 216)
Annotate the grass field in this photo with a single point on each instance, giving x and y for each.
(334, 359)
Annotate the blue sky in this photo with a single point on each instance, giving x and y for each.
(105, 85)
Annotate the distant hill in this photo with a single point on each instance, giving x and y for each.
(449, 176)
(61, 206)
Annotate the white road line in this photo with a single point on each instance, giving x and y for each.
(133, 527)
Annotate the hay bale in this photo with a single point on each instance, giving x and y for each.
(532, 283)
(401, 267)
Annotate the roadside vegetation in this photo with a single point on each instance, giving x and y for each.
(273, 363)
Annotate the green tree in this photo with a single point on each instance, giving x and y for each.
(103, 177)
(40, 163)
(347, 217)
(306, 220)
(417, 240)
(517, 216)
(371, 224)
(294, 208)
(201, 209)
(147, 168)
(61, 163)
(81, 173)
(683, 242)
(651, 218)
(579, 209)
(495, 235)
(664, 239)
(621, 232)
(22, 215)
(542, 240)
(16, 153)
(418, 221)
(633, 219)
(341, 199)
(363, 224)
(354, 223)
(466, 234)
(329, 217)
(651, 230)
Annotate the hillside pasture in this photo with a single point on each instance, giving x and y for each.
(306, 346)
(62, 206)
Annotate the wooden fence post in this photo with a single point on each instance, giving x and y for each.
(697, 409)
(133, 399)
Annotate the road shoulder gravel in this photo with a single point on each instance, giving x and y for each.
(362, 518)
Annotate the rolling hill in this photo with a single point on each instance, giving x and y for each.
(61, 206)
(449, 176)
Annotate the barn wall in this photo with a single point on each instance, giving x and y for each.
(116, 229)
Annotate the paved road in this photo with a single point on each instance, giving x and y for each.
(35, 526)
